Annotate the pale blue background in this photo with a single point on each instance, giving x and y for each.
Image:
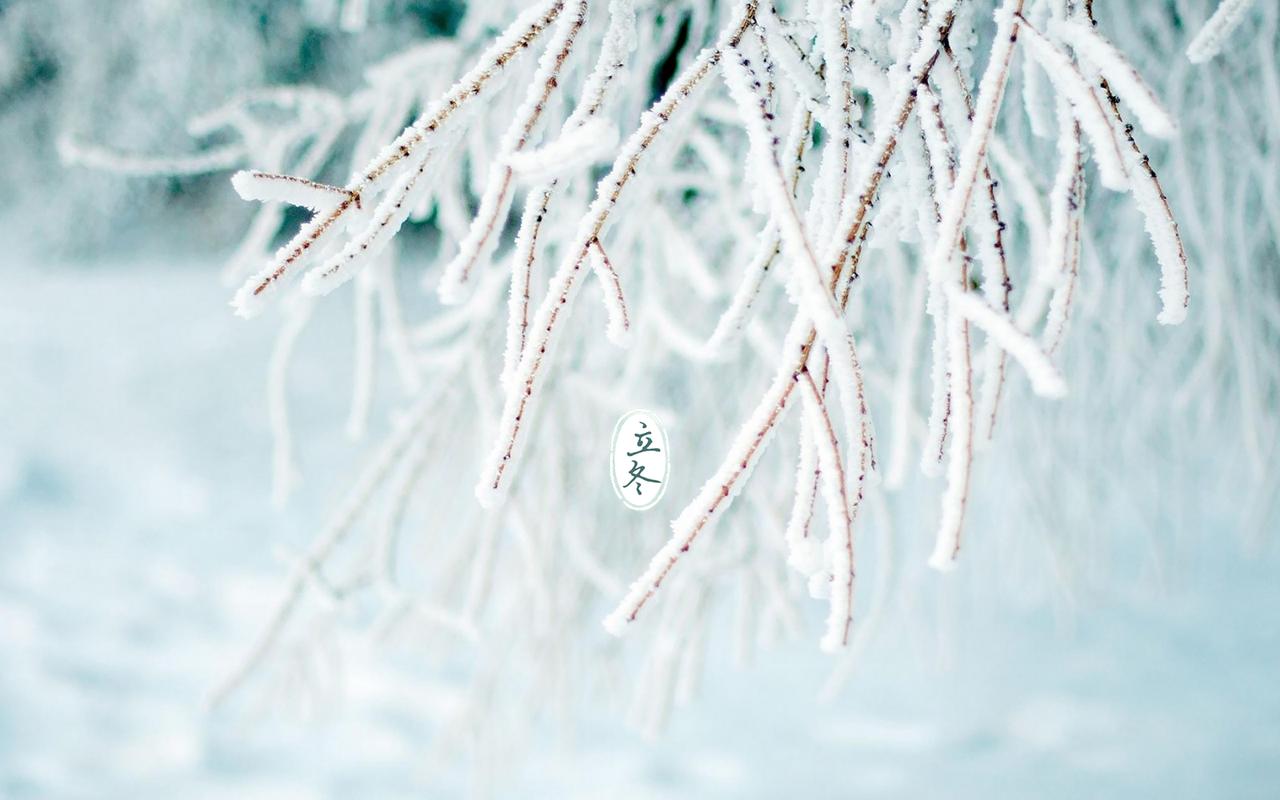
(137, 541)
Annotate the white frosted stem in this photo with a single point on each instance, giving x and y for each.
(835, 487)
(955, 496)
(1072, 84)
(495, 200)
(1122, 76)
(615, 303)
(1213, 36)
(1045, 378)
(267, 187)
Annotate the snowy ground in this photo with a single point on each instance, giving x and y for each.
(137, 541)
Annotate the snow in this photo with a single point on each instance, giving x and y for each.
(135, 571)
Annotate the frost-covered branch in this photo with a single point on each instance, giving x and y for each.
(873, 210)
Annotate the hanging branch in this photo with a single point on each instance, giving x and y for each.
(608, 71)
(1071, 84)
(496, 200)
(614, 301)
(718, 492)
(1148, 195)
(839, 514)
(317, 236)
(525, 377)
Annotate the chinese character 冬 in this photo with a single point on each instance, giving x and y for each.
(637, 474)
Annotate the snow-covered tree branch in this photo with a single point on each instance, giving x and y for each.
(878, 214)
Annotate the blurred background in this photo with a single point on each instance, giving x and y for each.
(1114, 631)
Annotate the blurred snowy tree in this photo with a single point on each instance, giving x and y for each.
(129, 75)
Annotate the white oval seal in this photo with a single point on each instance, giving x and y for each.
(639, 460)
